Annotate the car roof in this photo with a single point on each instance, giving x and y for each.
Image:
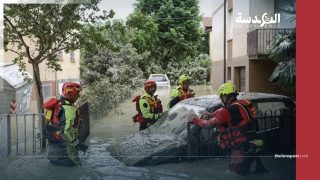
(157, 74)
(203, 101)
(209, 101)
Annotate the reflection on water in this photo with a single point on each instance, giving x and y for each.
(98, 164)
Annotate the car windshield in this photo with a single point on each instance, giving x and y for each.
(175, 120)
(158, 78)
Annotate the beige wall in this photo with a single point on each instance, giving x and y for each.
(216, 36)
(217, 72)
(240, 30)
(259, 7)
(69, 70)
(238, 35)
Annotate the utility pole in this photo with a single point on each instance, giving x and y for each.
(224, 39)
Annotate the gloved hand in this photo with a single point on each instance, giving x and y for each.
(205, 115)
(134, 118)
(186, 96)
(182, 97)
(82, 147)
(191, 94)
(191, 116)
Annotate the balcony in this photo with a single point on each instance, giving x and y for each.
(259, 41)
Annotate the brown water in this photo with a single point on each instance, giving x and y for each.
(98, 164)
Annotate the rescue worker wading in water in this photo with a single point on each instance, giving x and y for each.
(62, 123)
(148, 106)
(232, 122)
(182, 91)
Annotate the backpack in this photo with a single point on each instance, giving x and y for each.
(156, 108)
(138, 117)
(52, 121)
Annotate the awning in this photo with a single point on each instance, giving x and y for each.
(11, 74)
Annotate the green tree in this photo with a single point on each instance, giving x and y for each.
(197, 68)
(144, 38)
(111, 35)
(36, 32)
(109, 65)
(283, 52)
(109, 77)
(178, 25)
(148, 6)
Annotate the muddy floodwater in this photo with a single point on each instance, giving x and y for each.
(98, 164)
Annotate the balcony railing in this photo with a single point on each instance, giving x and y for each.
(260, 40)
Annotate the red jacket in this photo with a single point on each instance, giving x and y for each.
(222, 117)
(230, 119)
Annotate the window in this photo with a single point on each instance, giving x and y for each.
(72, 60)
(46, 91)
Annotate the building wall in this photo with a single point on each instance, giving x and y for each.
(216, 42)
(235, 33)
(240, 30)
(262, 70)
(216, 35)
(258, 8)
(217, 71)
(257, 72)
(70, 71)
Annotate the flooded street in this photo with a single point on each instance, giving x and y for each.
(98, 164)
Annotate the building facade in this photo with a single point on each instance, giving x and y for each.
(249, 34)
(52, 80)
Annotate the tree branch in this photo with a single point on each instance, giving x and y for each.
(20, 37)
(46, 56)
(13, 51)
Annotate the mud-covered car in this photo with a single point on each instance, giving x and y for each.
(168, 141)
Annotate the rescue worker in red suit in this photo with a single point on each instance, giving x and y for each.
(232, 122)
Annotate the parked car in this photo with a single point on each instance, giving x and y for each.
(162, 80)
(167, 140)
